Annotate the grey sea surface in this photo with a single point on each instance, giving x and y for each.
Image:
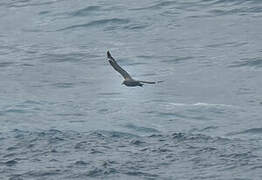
(65, 115)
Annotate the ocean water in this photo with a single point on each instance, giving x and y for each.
(65, 115)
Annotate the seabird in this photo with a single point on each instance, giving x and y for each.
(128, 80)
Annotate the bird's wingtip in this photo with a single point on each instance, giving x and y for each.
(108, 54)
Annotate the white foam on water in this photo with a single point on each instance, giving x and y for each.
(201, 104)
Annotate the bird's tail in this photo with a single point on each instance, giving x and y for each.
(148, 82)
(151, 82)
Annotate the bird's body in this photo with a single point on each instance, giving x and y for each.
(131, 82)
(128, 80)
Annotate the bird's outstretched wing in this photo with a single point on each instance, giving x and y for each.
(114, 64)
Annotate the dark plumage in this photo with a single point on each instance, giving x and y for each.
(128, 80)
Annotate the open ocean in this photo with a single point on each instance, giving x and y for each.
(65, 115)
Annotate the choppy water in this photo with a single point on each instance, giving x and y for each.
(65, 115)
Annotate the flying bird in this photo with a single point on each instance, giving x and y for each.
(128, 80)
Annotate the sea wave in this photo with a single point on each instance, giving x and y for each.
(96, 23)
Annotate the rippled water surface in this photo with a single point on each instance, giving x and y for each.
(65, 115)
